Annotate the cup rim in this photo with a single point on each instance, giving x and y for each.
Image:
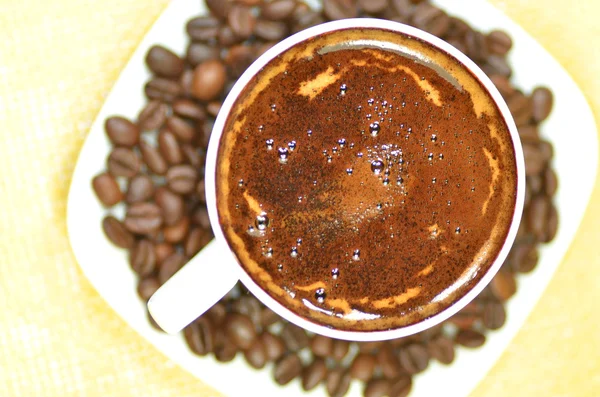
(211, 161)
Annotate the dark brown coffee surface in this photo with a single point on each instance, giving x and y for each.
(361, 188)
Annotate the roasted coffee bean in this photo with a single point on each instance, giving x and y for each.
(414, 358)
(404, 9)
(209, 80)
(227, 36)
(169, 147)
(200, 217)
(219, 8)
(256, 355)
(200, 193)
(240, 330)
(249, 306)
(494, 315)
(373, 6)
(202, 28)
(123, 162)
(339, 9)
(503, 85)
(162, 251)
(278, 10)
(476, 46)
(442, 349)
(213, 108)
(121, 131)
(431, 19)
(295, 338)
(550, 182)
(401, 386)
(107, 189)
(200, 336)
(189, 109)
(164, 62)
(241, 20)
(497, 65)
(182, 179)
(250, 3)
(377, 388)
(162, 89)
(321, 346)
(524, 257)
(304, 17)
(503, 285)
(201, 52)
(153, 159)
(388, 362)
(181, 129)
(498, 42)
(362, 366)
(176, 233)
(142, 258)
(217, 314)
(147, 287)
(153, 116)
(270, 30)
(537, 218)
(268, 317)
(529, 133)
(170, 204)
(535, 183)
(337, 382)
(117, 233)
(469, 338)
(520, 107)
(552, 225)
(542, 101)
(225, 350)
(238, 58)
(186, 82)
(369, 347)
(170, 266)
(314, 374)
(534, 159)
(193, 157)
(274, 346)
(140, 189)
(197, 239)
(143, 218)
(287, 368)
(340, 349)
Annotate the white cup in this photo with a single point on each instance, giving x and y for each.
(209, 275)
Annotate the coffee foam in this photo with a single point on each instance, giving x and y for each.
(352, 204)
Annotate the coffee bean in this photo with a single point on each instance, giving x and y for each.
(321, 346)
(340, 349)
(401, 386)
(123, 162)
(414, 358)
(278, 10)
(373, 6)
(188, 109)
(202, 28)
(494, 315)
(238, 59)
(503, 85)
(550, 182)
(147, 287)
(241, 21)
(362, 367)
(227, 37)
(153, 116)
(197, 239)
(524, 257)
(182, 179)
(529, 133)
(388, 362)
(209, 80)
(274, 346)
(339, 9)
(143, 218)
(176, 233)
(304, 17)
(171, 205)
(256, 355)
(169, 147)
(107, 189)
(213, 108)
(287, 368)
(442, 349)
(200, 217)
(503, 285)
(497, 65)
(116, 232)
(164, 62)
(219, 8)
(240, 330)
(217, 314)
(551, 225)
(121, 131)
(200, 336)
(431, 19)
(140, 189)
(377, 388)
(153, 159)
(314, 374)
(542, 101)
(182, 130)
(162, 251)
(225, 350)
(469, 338)
(170, 266)
(476, 46)
(534, 159)
(369, 347)
(201, 52)
(535, 183)
(537, 218)
(404, 8)
(520, 108)
(142, 259)
(270, 30)
(498, 42)
(249, 306)
(200, 192)
(268, 317)
(295, 338)
(162, 89)
(186, 82)
(337, 382)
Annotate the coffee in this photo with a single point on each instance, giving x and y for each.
(366, 180)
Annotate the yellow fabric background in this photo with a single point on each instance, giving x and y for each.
(58, 60)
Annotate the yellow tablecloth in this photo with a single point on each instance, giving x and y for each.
(58, 60)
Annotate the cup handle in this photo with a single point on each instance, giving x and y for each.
(195, 288)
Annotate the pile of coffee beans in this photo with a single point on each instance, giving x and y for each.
(160, 159)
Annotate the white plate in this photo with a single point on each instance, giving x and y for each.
(107, 268)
